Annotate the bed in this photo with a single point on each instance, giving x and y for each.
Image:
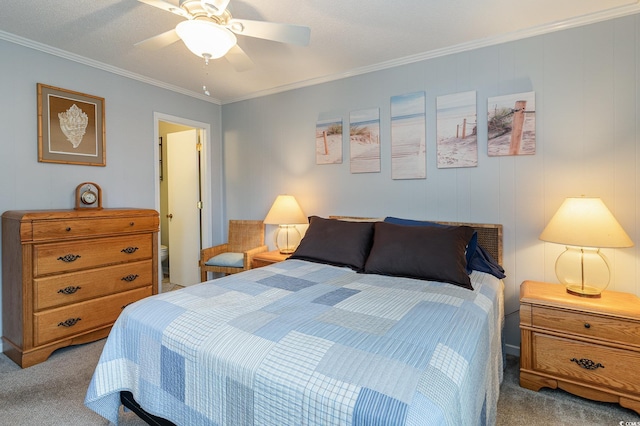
(390, 322)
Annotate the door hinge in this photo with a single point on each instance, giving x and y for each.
(199, 205)
(199, 147)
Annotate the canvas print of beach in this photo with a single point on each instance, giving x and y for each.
(457, 130)
(364, 140)
(329, 141)
(408, 135)
(511, 124)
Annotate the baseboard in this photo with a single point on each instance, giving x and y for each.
(512, 350)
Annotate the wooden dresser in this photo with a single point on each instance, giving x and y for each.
(67, 275)
(587, 346)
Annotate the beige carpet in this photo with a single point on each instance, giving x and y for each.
(52, 393)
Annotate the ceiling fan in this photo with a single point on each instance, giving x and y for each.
(209, 31)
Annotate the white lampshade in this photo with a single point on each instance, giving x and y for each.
(286, 213)
(587, 225)
(206, 39)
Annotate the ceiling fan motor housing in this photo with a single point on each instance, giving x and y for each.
(212, 9)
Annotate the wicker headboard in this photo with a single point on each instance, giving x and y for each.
(489, 235)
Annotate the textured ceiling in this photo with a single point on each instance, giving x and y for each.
(348, 37)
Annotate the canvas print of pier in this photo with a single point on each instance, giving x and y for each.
(457, 130)
(408, 136)
(329, 141)
(511, 124)
(364, 140)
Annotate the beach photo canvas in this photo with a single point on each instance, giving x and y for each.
(408, 136)
(511, 124)
(329, 141)
(364, 140)
(457, 130)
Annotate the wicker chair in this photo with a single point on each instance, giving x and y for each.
(246, 239)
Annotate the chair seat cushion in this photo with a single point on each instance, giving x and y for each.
(234, 260)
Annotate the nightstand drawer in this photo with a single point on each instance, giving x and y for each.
(587, 325)
(600, 365)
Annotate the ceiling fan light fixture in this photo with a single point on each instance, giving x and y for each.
(214, 7)
(206, 39)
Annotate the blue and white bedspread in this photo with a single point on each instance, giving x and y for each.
(300, 343)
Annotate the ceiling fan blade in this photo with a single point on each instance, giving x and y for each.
(239, 59)
(160, 4)
(284, 33)
(159, 41)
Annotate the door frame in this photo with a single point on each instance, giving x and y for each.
(205, 175)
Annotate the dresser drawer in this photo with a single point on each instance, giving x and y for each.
(587, 325)
(88, 227)
(59, 290)
(599, 365)
(71, 320)
(77, 255)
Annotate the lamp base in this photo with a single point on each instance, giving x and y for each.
(583, 270)
(287, 239)
(584, 291)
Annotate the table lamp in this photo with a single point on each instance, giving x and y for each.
(286, 213)
(584, 225)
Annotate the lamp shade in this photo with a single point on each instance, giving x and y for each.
(585, 222)
(285, 211)
(206, 39)
(584, 225)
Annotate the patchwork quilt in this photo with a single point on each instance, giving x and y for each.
(301, 343)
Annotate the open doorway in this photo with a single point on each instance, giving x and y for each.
(184, 225)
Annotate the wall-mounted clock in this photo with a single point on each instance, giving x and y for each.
(88, 196)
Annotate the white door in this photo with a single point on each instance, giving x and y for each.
(183, 185)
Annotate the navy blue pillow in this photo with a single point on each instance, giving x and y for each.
(482, 261)
(471, 245)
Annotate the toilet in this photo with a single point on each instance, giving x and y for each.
(164, 255)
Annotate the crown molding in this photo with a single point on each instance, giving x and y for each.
(12, 38)
(591, 18)
(617, 12)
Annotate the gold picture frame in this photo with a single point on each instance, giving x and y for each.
(71, 127)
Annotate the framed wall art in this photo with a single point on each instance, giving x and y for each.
(408, 136)
(364, 140)
(71, 128)
(511, 124)
(329, 141)
(457, 130)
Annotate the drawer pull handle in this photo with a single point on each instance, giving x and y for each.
(131, 223)
(587, 363)
(129, 277)
(587, 325)
(69, 257)
(68, 229)
(69, 290)
(129, 250)
(69, 323)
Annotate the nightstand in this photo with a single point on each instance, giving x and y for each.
(589, 347)
(268, 258)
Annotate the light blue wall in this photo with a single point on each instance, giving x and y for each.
(129, 178)
(587, 100)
